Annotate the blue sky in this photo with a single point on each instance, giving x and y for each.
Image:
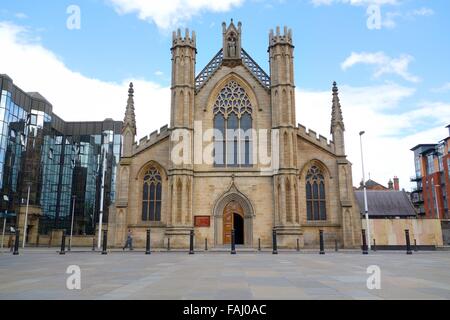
(394, 80)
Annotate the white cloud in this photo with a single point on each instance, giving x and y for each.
(74, 96)
(444, 88)
(389, 19)
(383, 64)
(167, 14)
(355, 2)
(21, 15)
(390, 134)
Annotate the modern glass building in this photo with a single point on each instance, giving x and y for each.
(58, 164)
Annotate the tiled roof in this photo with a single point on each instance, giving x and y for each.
(386, 203)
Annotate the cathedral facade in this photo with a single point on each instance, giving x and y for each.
(233, 159)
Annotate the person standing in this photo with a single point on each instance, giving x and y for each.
(129, 242)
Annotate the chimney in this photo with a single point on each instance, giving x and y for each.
(396, 184)
(390, 185)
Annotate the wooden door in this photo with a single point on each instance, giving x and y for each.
(228, 219)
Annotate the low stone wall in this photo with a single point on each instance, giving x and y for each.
(54, 240)
(391, 232)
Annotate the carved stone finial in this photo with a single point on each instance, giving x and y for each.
(131, 90)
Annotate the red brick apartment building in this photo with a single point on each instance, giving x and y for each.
(431, 195)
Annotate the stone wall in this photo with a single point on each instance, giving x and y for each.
(392, 231)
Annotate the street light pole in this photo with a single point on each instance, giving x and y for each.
(4, 228)
(102, 192)
(436, 200)
(366, 209)
(71, 225)
(26, 217)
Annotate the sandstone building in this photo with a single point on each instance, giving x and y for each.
(166, 183)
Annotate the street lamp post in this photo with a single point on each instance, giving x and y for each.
(102, 189)
(366, 209)
(71, 225)
(25, 231)
(436, 200)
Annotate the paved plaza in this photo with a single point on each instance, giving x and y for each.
(219, 275)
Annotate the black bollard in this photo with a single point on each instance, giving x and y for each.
(93, 243)
(206, 244)
(415, 245)
(274, 241)
(259, 244)
(147, 244)
(105, 241)
(37, 240)
(63, 243)
(168, 244)
(191, 242)
(374, 247)
(233, 245)
(16, 243)
(336, 248)
(322, 250)
(408, 243)
(364, 246)
(298, 245)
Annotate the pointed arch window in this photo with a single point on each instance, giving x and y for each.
(233, 127)
(151, 195)
(316, 208)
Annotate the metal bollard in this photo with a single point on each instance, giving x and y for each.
(63, 244)
(233, 245)
(93, 243)
(259, 244)
(147, 244)
(37, 240)
(274, 241)
(408, 243)
(415, 246)
(364, 246)
(322, 250)
(16, 243)
(168, 244)
(298, 244)
(206, 244)
(336, 247)
(191, 242)
(374, 247)
(105, 242)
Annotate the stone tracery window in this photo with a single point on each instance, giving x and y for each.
(151, 195)
(233, 127)
(315, 195)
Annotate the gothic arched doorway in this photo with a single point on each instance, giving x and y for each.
(233, 210)
(233, 219)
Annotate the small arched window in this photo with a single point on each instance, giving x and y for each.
(233, 127)
(151, 195)
(316, 208)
